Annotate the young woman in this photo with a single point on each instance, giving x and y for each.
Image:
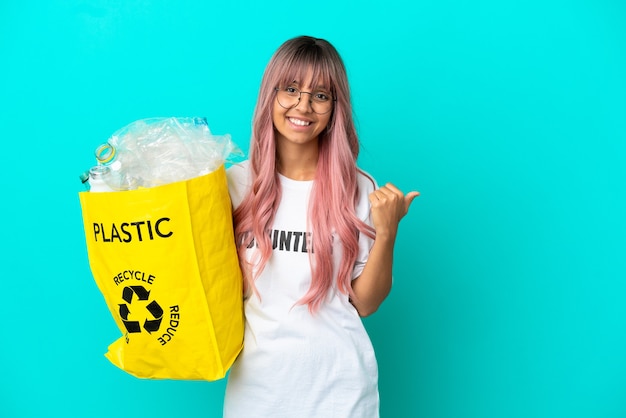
(315, 238)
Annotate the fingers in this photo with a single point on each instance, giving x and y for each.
(392, 195)
(392, 188)
(388, 190)
(385, 197)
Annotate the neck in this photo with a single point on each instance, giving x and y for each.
(297, 162)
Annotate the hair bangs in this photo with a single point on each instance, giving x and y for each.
(309, 66)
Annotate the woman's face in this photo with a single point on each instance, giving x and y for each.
(299, 125)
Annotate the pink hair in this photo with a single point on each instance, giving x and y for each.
(334, 193)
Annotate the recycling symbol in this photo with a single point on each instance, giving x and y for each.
(154, 311)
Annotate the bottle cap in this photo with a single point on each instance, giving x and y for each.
(98, 171)
(105, 153)
(84, 177)
(200, 121)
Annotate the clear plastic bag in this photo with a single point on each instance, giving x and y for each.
(156, 151)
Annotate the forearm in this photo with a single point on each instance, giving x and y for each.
(373, 285)
(388, 207)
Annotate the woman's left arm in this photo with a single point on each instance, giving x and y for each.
(388, 206)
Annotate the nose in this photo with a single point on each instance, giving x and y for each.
(308, 102)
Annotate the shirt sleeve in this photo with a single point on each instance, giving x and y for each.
(238, 177)
(367, 185)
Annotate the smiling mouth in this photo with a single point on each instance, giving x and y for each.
(299, 122)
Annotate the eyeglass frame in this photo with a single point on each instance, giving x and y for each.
(278, 89)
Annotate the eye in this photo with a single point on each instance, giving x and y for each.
(292, 91)
(321, 96)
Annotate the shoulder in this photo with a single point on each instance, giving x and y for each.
(239, 181)
(366, 182)
(238, 170)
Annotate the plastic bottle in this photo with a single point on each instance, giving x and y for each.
(97, 179)
(122, 167)
(84, 179)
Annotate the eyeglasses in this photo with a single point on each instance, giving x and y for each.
(289, 97)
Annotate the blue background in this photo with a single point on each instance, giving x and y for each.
(509, 117)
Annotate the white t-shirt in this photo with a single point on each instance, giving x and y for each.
(295, 364)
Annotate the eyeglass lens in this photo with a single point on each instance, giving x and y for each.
(289, 97)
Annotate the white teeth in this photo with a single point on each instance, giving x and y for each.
(299, 122)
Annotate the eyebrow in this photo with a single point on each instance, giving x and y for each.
(316, 88)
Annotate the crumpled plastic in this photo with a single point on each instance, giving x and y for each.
(157, 151)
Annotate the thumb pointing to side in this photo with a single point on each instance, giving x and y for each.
(408, 199)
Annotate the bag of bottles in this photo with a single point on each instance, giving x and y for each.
(155, 151)
(164, 259)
